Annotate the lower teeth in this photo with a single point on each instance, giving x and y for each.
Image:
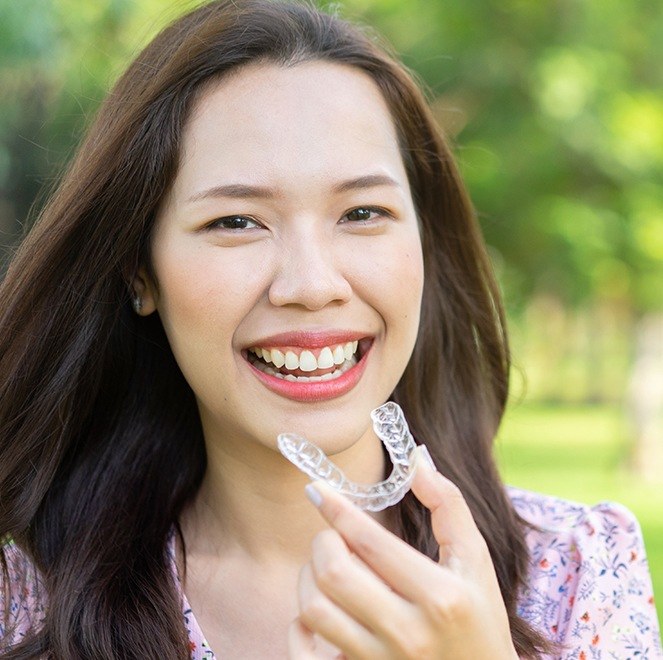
(348, 364)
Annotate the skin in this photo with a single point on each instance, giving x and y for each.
(296, 249)
(449, 609)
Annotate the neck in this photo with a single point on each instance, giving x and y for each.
(252, 505)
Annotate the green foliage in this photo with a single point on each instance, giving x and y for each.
(555, 108)
(557, 112)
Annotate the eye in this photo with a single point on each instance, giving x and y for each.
(365, 214)
(233, 223)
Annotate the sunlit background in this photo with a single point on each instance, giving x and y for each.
(555, 108)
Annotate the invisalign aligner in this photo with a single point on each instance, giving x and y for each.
(390, 426)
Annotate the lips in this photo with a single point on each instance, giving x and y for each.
(309, 366)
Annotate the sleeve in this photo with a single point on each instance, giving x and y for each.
(608, 612)
(20, 596)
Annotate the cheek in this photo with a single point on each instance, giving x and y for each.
(409, 284)
(410, 272)
(204, 292)
(391, 275)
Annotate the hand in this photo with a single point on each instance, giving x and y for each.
(372, 595)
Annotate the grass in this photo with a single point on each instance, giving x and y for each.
(578, 453)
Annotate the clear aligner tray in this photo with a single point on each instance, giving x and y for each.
(390, 426)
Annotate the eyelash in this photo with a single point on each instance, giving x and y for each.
(377, 210)
(216, 224)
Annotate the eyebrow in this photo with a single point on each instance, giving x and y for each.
(243, 191)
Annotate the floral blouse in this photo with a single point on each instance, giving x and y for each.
(589, 587)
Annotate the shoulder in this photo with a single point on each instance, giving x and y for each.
(22, 603)
(589, 584)
(604, 538)
(553, 514)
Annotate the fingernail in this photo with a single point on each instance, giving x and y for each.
(313, 494)
(425, 455)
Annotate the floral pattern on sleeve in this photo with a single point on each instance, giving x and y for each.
(22, 599)
(589, 586)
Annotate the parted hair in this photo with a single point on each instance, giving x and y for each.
(101, 445)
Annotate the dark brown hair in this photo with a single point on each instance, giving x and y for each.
(100, 441)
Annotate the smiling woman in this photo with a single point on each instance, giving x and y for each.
(295, 275)
(262, 233)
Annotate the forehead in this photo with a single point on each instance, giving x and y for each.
(269, 121)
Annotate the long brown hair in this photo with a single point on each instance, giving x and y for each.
(100, 441)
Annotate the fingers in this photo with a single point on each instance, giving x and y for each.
(365, 586)
(461, 544)
(451, 519)
(389, 557)
(354, 587)
(319, 614)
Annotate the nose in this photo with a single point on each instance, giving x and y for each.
(308, 274)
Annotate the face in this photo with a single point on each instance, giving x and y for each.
(287, 257)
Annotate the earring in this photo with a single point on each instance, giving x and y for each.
(137, 303)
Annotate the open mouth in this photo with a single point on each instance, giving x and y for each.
(305, 365)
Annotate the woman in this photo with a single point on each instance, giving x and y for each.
(262, 189)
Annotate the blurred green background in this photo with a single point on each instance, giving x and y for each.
(555, 108)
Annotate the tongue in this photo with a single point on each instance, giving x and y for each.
(316, 372)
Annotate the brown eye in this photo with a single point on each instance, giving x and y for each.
(233, 222)
(361, 214)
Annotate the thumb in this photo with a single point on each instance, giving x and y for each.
(451, 520)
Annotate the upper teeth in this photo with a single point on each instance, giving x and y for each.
(306, 360)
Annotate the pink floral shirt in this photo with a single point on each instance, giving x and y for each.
(589, 586)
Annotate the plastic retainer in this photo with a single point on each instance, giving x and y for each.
(391, 427)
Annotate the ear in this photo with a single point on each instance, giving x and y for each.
(144, 288)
